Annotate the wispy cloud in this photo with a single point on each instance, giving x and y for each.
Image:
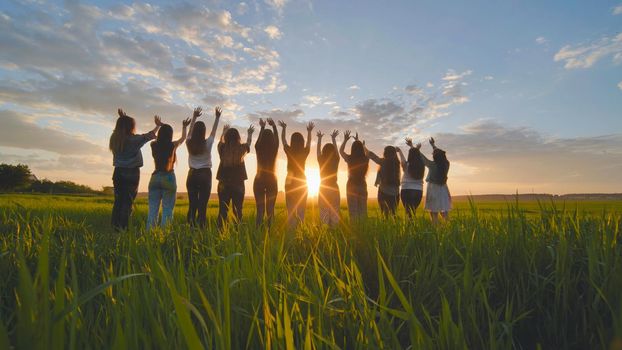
(586, 55)
(617, 10)
(541, 40)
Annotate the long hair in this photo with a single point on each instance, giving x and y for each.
(359, 163)
(442, 165)
(328, 160)
(297, 143)
(265, 143)
(390, 168)
(232, 137)
(124, 127)
(416, 167)
(163, 147)
(196, 142)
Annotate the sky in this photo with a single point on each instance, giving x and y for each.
(525, 96)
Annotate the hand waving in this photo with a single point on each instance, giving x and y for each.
(217, 112)
(334, 134)
(282, 124)
(409, 141)
(251, 129)
(310, 126)
(356, 136)
(319, 134)
(197, 112)
(432, 141)
(121, 113)
(270, 121)
(185, 122)
(262, 123)
(157, 120)
(346, 135)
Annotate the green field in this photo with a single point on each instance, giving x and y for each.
(499, 275)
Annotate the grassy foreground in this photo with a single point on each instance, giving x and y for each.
(508, 276)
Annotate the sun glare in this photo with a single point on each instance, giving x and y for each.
(313, 181)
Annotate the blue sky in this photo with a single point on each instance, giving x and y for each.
(523, 95)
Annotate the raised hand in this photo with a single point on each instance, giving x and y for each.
(319, 134)
(432, 141)
(310, 126)
(334, 134)
(282, 124)
(156, 119)
(185, 122)
(217, 112)
(225, 128)
(270, 121)
(409, 141)
(418, 146)
(356, 136)
(251, 129)
(346, 135)
(197, 112)
(262, 123)
(121, 113)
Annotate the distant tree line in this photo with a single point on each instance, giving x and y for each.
(19, 178)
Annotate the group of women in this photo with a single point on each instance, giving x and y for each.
(126, 146)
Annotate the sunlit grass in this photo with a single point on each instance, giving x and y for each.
(544, 275)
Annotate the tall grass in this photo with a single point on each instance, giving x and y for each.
(502, 280)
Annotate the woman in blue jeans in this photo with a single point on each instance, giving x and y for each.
(163, 185)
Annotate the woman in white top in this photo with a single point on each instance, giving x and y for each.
(412, 180)
(438, 198)
(199, 181)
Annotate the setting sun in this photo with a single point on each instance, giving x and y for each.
(313, 181)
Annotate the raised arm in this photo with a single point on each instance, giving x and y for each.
(156, 120)
(342, 149)
(433, 143)
(224, 131)
(197, 113)
(249, 135)
(371, 155)
(319, 145)
(333, 137)
(402, 158)
(275, 132)
(310, 127)
(283, 137)
(262, 126)
(217, 113)
(185, 124)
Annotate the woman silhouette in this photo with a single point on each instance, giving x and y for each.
(163, 184)
(412, 180)
(388, 180)
(127, 159)
(265, 185)
(296, 180)
(329, 198)
(232, 172)
(438, 198)
(356, 187)
(199, 180)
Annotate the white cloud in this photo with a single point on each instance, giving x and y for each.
(354, 87)
(620, 85)
(278, 5)
(617, 10)
(586, 55)
(541, 40)
(273, 32)
(489, 77)
(493, 150)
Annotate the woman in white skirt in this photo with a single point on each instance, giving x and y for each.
(437, 199)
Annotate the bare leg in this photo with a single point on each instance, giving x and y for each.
(434, 217)
(445, 215)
